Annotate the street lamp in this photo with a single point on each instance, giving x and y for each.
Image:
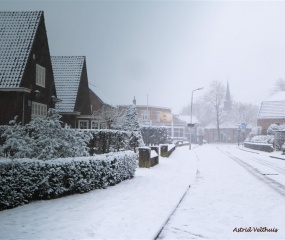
(191, 124)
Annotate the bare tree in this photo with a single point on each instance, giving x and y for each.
(111, 116)
(279, 86)
(215, 98)
(200, 110)
(246, 112)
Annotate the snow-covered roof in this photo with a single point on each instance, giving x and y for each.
(17, 33)
(273, 107)
(67, 74)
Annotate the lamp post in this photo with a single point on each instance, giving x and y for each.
(191, 124)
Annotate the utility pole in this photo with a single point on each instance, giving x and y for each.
(191, 124)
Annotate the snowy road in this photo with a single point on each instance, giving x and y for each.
(235, 194)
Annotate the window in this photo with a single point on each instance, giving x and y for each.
(145, 115)
(38, 110)
(40, 75)
(83, 124)
(94, 125)
(103, 126)
(158, 116)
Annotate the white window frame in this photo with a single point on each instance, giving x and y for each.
(158, 116)
(40, 75)
(84, 122)
(94, 122)
(39, 110)
(145, 115)
(103, 125)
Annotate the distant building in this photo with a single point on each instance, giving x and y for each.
(229, 129)
(161, 116)
(228, 132)
(228, 101)
(272, 111)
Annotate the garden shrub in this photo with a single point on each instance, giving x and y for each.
(154, 135)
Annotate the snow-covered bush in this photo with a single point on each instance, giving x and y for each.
(44, 138)
(106, 140)
(2, 138)
(275, 127)
(24, 180)
(263, 139)
(154, 135)
(131, 122)
(254, 132)
(278, 131)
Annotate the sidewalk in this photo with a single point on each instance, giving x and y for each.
(133, 209)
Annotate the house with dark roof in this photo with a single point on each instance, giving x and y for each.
(27, 87)
(71, 81)
(272, 111)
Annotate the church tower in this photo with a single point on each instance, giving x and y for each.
(228, 101)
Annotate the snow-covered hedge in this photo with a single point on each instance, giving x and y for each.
(261, 143)
(24, 180)
(154, 135)
(106, 140)
(265, 147)
(262, 139)
(2, 138)
(43, 138)
(275, 127)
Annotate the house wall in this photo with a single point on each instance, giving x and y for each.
(265, 123)
(10, 106)
(153, 113)
(95, 101)
(82, 103)
(11, 103)
(70, 120)
(229, 135)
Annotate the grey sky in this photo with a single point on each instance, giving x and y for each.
(168, 48)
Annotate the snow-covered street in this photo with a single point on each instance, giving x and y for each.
(226, 197)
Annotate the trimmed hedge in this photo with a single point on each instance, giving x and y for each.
(154, 135)
(266, 147)
(106, 140)
(25, 180)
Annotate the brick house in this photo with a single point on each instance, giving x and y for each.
(70, 75)
(27, 87)
(228, 132)
(272, 111)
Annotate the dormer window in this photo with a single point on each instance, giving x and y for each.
(40, 75)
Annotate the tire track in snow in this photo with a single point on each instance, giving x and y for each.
(167, 220)
(278, 187)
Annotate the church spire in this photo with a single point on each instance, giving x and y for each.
(228, 101)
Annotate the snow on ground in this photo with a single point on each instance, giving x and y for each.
(133, 209)
(224, 199)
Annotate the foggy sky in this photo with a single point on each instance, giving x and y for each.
(165, 49)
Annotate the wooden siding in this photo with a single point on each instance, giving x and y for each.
(11, 103)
